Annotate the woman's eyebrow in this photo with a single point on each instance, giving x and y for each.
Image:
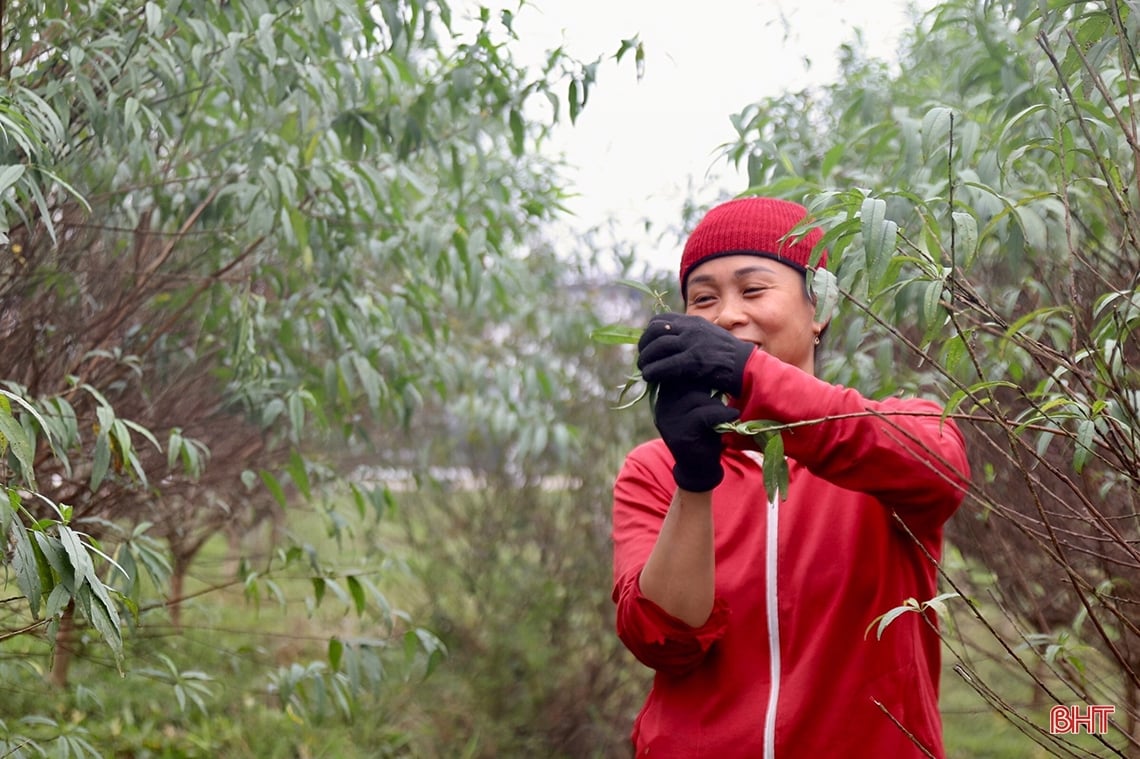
(751, 270)
(697, 279)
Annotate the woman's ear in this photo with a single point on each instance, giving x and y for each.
(823, 288)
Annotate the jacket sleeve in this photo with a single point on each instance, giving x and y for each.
(642, 494)
(899, 450)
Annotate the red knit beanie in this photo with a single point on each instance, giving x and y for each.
(752, 226)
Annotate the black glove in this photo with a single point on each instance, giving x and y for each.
(685, 416)
(676, 347)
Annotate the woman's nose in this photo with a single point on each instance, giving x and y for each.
(730, 315)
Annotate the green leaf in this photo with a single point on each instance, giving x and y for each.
(933, 314)
(153, 19)
(44, 211)
(103, 616)
(824, 287)
(9, 512)
(154, 560)
(1086, 429)
(275, 590)
(62, 423)
(56, 557)
(9, 175)
(616, 334)
(26, 566)
(15, 435)
(147, 434)
(1093, 29)
(419, 639)
(358, 500)
(57, 601)
(1032, 226)
(775, 468)
(120, 433)
(381, 601)
(356, 590)
(832, 159)
(174, 448)
(572, 98)
(518, 132)
(331, 584)
(879, 237)
(633, 43)
(77, 553)
(965, 239)
(101, 460)
(1039, 314)
(335, 653)
(643, 288)
(370, 379)
(295, 403)
(274, 487)
(47, 577)
(265, 38)
(936, 125)
(299, 473)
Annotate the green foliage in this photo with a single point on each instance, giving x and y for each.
(233, 231)
(509, 560)
(54, 567)
(191, 687)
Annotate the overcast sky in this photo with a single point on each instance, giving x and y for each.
(640, 147)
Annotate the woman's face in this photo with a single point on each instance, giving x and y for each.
(758, 300)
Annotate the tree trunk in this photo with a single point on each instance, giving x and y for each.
(62, 653)
(177, 587)
(233, 554)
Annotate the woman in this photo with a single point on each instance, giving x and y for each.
(753, 613)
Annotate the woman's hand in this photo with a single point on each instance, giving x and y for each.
(692, 350)
(686, 416)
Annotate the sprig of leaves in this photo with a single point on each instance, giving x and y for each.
(938, 603)
(620, 334)
(767, 437)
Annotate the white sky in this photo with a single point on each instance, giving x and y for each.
(640, 147)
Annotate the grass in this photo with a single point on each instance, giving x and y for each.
(974, 730)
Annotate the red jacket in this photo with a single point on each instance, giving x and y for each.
(785, 667)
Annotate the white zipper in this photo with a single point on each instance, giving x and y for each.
(773, 628)
(772, 608)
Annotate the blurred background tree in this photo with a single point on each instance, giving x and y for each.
(244, 244)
